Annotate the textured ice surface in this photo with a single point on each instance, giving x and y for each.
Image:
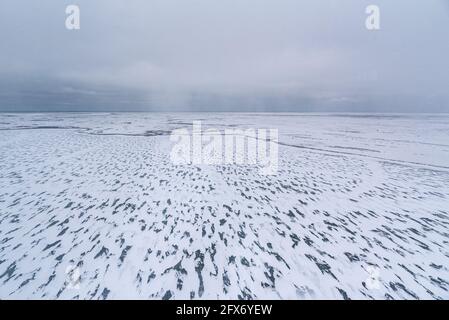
(358, 209)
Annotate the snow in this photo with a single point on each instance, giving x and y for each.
(358, 209)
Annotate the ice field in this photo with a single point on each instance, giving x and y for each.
(92, 207)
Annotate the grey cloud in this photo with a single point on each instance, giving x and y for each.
(269, 55)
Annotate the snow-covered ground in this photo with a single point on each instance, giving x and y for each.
(359, 209)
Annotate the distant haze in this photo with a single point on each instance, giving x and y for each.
(224, 55)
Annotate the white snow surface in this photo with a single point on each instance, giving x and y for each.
(358, 210)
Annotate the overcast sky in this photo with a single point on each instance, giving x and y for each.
(224, 55)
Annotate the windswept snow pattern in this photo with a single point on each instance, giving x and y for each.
(359, 209)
